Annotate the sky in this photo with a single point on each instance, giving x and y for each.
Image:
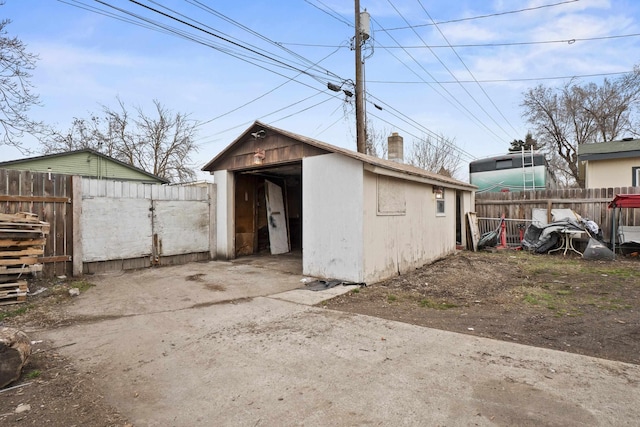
(456, 69)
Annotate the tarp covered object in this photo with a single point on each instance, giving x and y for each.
(541, 239)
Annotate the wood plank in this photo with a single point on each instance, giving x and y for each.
(22, 217)
(20, 284)
(58, 258)
(37, 199)
(10, 278)
(34, 268)
(7, 243)
(8, 293)
(18, 230)
(14, 300)
(19, 261)
(20, 252)
(20, 234)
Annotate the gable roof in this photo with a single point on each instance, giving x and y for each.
(609, 150)
(372, 161)
(90, 151)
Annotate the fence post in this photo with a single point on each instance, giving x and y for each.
(76, 214)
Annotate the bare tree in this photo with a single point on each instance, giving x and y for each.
(438, 155)
(376, 143)
(16, 91)
(566, 117)
(161, 144)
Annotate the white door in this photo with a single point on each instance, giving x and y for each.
(277, 219)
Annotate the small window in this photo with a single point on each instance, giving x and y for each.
(635, 178)
(439, 193)
(504, 164)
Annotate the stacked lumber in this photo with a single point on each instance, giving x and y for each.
(22, 240)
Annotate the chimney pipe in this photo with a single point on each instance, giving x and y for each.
(395, 148)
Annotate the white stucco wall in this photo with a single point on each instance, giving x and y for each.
(610, 173)
(332, 228)
(398, 243)
(225, 220)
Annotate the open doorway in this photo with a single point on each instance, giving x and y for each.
(268, 210)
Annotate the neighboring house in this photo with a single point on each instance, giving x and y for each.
(354, 217)
(611, 164)
(85, 163)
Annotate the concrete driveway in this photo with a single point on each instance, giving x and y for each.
(236, 344)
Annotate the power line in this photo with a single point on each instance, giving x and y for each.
(478, 121)
(526, 79)
(259, 97)
(261, 57)
(474, 45)
(411, 122)
(225, 39)
(277, 111)
(194, 26)
(491, 15)
(335, 14)
(262, 37)
(469, 71)
(172, 30)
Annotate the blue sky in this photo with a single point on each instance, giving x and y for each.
(88, 59)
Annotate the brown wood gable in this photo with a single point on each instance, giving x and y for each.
(276, 148)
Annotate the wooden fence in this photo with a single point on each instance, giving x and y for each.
(48, 196)
(589, 203)
(100, 225)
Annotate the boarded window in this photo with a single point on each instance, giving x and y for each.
(391, 196)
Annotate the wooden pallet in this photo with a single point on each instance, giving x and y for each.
(13, 300)
(22, 240)
(27, 269)
(13, 292)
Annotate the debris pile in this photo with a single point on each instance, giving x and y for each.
(22, 240)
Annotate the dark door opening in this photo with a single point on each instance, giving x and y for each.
(254, 216)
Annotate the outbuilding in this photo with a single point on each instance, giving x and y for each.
(353, 216)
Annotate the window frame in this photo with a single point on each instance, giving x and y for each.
(440, 197)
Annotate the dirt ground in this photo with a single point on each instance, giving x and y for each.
(586, 307)
(563, 303)
(58, 394)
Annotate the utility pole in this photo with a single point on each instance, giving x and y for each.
(361, 129)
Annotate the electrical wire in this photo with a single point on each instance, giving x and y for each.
(258, 56)
(451, 99)
(335, 14)
(491, 15)
(525, 79)
(196, 27)
(259, 97)
(475, 45)
(469, 71)
(473, 98)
